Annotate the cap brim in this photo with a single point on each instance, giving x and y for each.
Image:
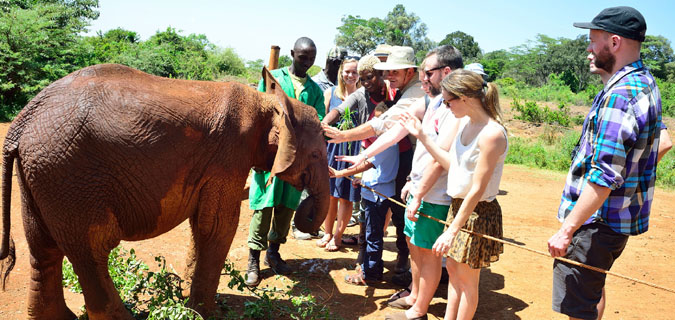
(585, 25)
(392, 66)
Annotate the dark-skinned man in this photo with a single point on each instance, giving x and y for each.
(328, 76)
(274, 205)
(402, 75)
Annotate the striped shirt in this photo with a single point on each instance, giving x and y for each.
(617, 149)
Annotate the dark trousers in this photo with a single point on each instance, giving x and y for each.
(376, 212)
(398, 212)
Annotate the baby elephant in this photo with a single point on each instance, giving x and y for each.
(109, 153)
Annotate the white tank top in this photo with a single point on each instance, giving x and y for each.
(463, 162)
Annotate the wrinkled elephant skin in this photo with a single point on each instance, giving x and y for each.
(109, 153)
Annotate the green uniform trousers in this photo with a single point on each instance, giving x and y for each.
(259, 232)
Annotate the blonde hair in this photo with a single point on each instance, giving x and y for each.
(465, 83)
(341, 90)
(367, 63)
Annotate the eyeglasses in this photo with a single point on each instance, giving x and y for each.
(352, 58)
(429, 72)
(447, 102)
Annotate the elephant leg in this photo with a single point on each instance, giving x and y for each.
(45, 297)
(100, 296)
(213, 229)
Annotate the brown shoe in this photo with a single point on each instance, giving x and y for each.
(401, 316)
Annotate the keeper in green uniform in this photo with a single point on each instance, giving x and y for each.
(275, 204)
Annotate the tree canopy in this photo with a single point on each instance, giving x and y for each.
(465, 44)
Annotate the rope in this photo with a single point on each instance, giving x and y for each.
(576, 263)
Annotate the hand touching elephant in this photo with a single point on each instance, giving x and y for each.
(109, 153)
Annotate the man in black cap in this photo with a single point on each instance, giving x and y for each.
(610, 185)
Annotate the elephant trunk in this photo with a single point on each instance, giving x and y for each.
(312, 210)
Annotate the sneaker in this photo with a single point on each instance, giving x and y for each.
(352, 222)
(299, 235)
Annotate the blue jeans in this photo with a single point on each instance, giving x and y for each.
(373, 267)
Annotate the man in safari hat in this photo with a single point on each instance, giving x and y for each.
(402, 75)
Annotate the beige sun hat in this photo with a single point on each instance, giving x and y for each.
(399, 58)
(382, 50)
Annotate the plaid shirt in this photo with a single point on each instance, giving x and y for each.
(617, 149)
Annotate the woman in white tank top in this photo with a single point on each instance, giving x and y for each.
(478, 146)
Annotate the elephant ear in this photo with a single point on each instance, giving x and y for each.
(285, 138)
(271, 84)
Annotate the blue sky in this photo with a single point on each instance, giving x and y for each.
(251, 27)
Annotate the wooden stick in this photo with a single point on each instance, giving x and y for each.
(576, 263)
(274, 57)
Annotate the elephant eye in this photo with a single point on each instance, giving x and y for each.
(316, 155)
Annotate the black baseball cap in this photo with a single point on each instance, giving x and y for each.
(624, 21)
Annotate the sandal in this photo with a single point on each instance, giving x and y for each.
(356, 279)
(331, 246)
(350, 241)
(321, 243)
(398, 295)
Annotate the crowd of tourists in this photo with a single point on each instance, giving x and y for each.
(432, 136)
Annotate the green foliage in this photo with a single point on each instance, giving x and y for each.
(494, 63)
(555, 91)
(397, 28)
(656, 53)
(465, 44)
(665, 171)
(530, 112)
(36, 47)
(146, 294)
(667, 90)
(313, 70)
(158, 295)
(273, 303)
(551, 150)
(285, 61)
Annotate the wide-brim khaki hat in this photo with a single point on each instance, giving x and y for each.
(399, 58)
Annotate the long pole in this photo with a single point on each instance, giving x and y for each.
(576, 263)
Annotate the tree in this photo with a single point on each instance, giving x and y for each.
(397, 28)
(285, 61)
(465, 44)
(359, 35)
(494, 63)
(656, 53)
(38, 42)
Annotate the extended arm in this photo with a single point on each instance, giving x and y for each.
(350, 171)
(438, 151)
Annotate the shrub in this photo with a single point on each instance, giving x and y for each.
(531, 112)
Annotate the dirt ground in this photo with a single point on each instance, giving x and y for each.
(518, 286)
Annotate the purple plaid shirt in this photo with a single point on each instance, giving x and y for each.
(618, 149)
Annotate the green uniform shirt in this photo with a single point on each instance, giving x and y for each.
(280, 192)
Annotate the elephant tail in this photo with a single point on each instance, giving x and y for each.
(7, 249)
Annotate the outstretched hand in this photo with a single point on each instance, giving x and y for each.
(335, 134)
(332, 173)
(354, 160)
(411, 123)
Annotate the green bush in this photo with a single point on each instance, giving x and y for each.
(667, 90)
(531, 112)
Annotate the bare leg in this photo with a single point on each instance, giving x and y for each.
(429, 276)
(601, 304)
(415, 264)
(462, 290)
(344, 212)
(329, 222)
(387, 219)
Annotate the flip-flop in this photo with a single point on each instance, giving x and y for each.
(356, 279)
(398, 295)
(350, 241)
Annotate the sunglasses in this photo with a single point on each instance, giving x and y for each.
(430, 72)
(352, 58)
(447, 102)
